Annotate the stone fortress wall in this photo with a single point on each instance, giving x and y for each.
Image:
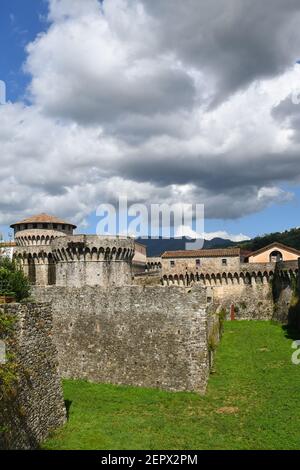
(132, 335)
(139, 260)
(232, 283)
(31, 401)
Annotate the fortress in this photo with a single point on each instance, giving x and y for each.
(51, 255)
(118, 317)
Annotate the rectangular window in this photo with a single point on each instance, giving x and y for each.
(172, 264)
(198, 262)
(224, 262)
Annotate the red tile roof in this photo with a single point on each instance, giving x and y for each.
(214, 253)
(43, 219)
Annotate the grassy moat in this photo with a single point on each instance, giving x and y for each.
(252, 402)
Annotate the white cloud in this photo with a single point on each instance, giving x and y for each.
(273, 194)
(121, 105)
(185, 231)
(227, 236)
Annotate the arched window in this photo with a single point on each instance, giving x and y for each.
(276, 256)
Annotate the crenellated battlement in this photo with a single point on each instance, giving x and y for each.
(153, 264)
(89, 248)
(90, 260)
(254, 273)
(36, 240)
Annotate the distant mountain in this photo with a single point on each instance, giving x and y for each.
(155, 247)
(218, 243)
(289, 237)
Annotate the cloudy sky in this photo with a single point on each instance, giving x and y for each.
(170, 101)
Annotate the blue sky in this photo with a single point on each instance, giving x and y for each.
(20, 23)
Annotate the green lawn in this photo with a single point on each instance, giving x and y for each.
(252, 402)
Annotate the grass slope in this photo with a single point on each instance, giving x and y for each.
(252, 402)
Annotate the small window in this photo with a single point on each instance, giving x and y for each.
(224, 262)
(198, 262)
(208, 300)
(172, 263)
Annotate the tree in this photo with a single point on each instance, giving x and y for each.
(12, 280)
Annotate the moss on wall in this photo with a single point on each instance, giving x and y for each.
(31, 401)
(8, 371)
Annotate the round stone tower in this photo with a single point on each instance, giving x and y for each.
(90, 260)
(34, 237)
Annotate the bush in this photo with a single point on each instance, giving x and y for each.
(222, 317)
(13, 281)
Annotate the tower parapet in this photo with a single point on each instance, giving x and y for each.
(91, 260)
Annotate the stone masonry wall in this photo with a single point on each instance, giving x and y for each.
(286, 294)
(31, 402)
(251, 301)
(283, 303)
(134, 335)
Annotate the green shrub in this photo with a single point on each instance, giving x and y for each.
(222, 318)
(13, 281)
(7, 323)
(8, 371)
(8, 378)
